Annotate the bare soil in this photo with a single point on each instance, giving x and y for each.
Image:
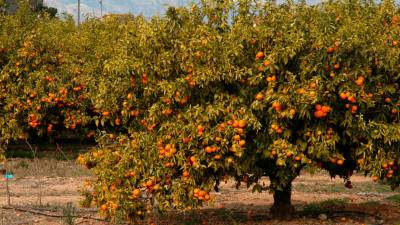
(46, 186)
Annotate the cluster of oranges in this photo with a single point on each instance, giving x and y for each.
(72, 120)
(336, 161)
(33, 121)
(130, 174)
(201, 194)
(350, 98)
(200, 130)
(190, 81)
(237, 142)
(390, 167)
(211, 149)
(166, 151)
(167, 112)
(271, 79)
(321, 111)
(288, 152)
(277, 128)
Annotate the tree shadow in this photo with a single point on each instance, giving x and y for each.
(239, 213)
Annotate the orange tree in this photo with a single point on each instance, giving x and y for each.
(243, 90)
(203, 94)
(41, 90)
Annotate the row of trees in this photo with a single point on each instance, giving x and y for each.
(210, 92)
(12, 6)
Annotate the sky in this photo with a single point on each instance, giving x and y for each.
(146, 7)
(92, 7)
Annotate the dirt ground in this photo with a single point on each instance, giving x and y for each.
(317, 198)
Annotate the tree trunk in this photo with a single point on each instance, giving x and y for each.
(282, 208)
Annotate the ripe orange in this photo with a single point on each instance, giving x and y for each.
(259, 97)
(202, 193)
(395, 19)
(301, 91)
(352, 99)
(354, 109)
(336, 66)
(118, 121)
(149, 183)
(209, 149)
(326, 109)
(260, 55)
(106, 113)
(186, 140)
(235, 124)
(277, 106)
(236, 137)
(330, 50)
(375, 178)
(242, 123)
(339, 162)
(343, 95)
(388, 100)
(103, 207)
(385, 166)
(359, 82)
(319, 114)
(136, 192)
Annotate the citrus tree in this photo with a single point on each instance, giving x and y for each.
(208, 93)
(242, 91)
(42, 93)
